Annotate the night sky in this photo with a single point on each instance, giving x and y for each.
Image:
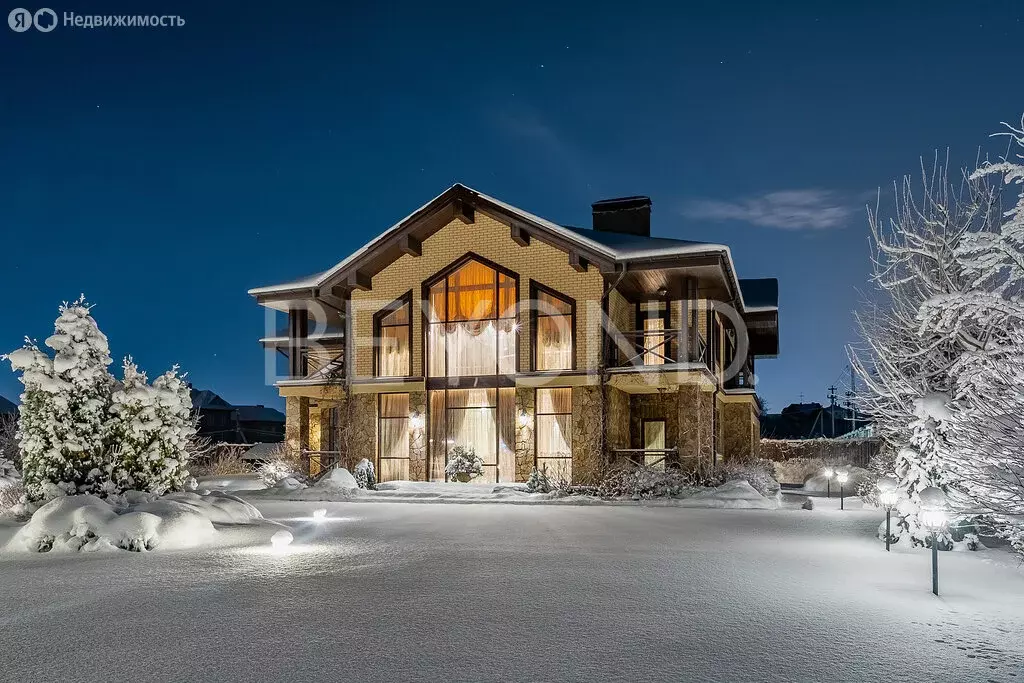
(164, 171)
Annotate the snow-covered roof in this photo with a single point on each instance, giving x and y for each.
(613, 246)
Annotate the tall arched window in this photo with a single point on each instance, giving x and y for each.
(471, 322)
(471, 333)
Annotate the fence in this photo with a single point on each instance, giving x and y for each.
(850, 452)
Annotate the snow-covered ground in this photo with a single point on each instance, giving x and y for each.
(389, 592)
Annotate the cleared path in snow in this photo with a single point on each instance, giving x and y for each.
(394, 592)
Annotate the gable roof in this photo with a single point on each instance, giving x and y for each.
(608, 251)
(207, 400)
(259, 414)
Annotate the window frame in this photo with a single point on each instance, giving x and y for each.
(536, 430)
(378, 318)
(380, 420)
(499, 379)
(538, 288)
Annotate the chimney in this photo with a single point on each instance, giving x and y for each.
(626, 215)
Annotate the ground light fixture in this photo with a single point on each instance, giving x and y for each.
(829, 473)
(319, 515)
(842, 476)
(888, 496)
(933, 516)
(281, 540)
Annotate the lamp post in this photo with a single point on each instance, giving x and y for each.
(933, 518)
(828, 480)
(841, 476)
(888, 496)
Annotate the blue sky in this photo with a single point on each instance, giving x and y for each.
(164, 171)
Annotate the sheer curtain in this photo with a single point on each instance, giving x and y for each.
(394, 437)
(655, 341)
(553, 335)
(472, 424)
(554, 432)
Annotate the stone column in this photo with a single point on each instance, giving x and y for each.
(296, 423)
(586, 435)
(418, 436)
(696, 426)
(525, 399)
(739, 436)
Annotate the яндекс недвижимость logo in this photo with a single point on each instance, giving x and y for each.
(21, 20)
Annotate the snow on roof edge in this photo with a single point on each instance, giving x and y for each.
(618, 255)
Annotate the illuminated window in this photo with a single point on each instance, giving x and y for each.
(393, 437)
(554, 323)
(554, 432)
(392, 333)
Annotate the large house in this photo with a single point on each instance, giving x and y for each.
(474, 323)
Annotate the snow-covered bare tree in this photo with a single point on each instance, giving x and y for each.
(63, 411)
(988, 420)
(906, 363)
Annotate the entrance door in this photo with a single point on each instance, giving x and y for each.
(654, 438)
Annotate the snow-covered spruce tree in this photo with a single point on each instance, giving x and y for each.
(151, 428)
(63, 411)
(905, 362)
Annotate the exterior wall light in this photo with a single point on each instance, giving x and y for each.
(524, 418)
(416, 421)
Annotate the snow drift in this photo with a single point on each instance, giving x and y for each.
(135, 521)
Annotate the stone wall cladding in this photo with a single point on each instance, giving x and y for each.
(296, 423)
(362, 433)
(696, 424)
(525, 461)
(491, 240)
(737, 435)
(418, 437)
(587, 460)
(617, 418)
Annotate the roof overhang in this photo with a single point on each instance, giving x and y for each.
(332, 287)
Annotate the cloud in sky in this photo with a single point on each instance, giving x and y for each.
(811, 209)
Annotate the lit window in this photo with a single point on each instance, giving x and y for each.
(554, 432)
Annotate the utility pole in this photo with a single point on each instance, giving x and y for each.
(851, 398)
(832, 401)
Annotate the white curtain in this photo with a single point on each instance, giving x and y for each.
(472, 424)
(655, 341)
(554, 432)
(394, 352)
(472, 348)
(654, 437)
(554, 342)
(394, 437)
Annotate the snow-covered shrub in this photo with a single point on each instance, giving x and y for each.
(62, 431)
(760, 474)
(220, 462)
(629, 480)
(463, 461)
(12, 492)
(538, 482)
(284, 463)
(366, 476)
(150, 431)
(81, 432)
(273, 471)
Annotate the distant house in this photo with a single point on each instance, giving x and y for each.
(811, 421)
(227, 423)
(7, 407)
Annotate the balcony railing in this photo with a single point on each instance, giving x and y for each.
(655, 347)
(744, 379)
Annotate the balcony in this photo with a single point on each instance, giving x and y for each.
(743, 380)
(652, 348)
